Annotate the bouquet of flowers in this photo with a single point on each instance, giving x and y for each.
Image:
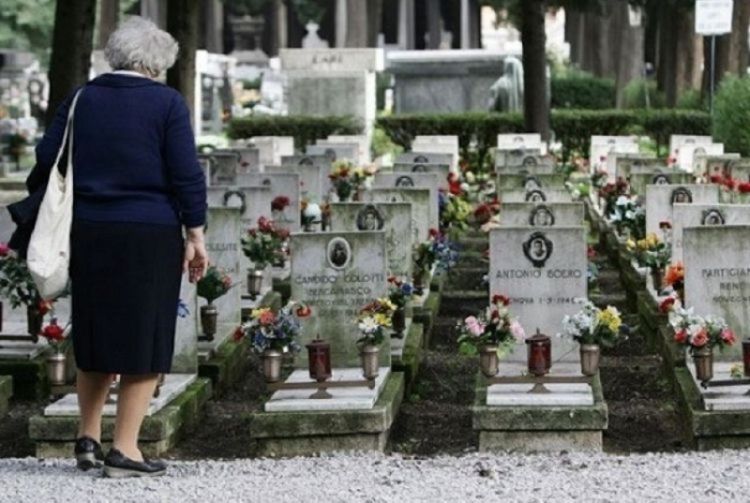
(264, 245)
(437, 250)
(628, 217)
(455, 213)
(675, 276)
(278, 331)
(651, 252)
(16, 283)
(55, 335)
(216, 283)
(347, 179)
(494, 327)
(696, 332)
(592, 325)
(399, 291)
(280, 203)
(611, 192)
(374, 320)
(311, 213)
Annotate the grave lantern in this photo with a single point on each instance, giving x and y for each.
(746, 356)
(319, 357)
(539, 348)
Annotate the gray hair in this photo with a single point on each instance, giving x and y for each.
(138, 44)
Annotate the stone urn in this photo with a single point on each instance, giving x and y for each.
(369, 354)
(344, 192)
(34, 319)
(399, 322)
(56, 369)
(209, 317)
(272, 365)
(254, 282)
(488, 360)
(703, 358)
(590, 354)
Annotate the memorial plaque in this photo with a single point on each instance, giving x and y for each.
(282, 185)
(689, 152)
(717, 277)
(392, 218)
(511, 160)
(336, 274)
(698, 215)
(423, 216)
(622, 165)
(543, 272)
(223, 167)
(660, 198)
(603, 146)
(514, 141)
(542, 215)
(676, 142)
(335, 152)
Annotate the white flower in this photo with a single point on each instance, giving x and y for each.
(622, 201)
(312, 211)
(469, 177)
(368, 325)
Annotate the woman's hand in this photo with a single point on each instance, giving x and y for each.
(196, 261)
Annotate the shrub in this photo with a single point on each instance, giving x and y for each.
(582, 91)
(691, 99)
(634, 95)
(731, 112)
(305, 130)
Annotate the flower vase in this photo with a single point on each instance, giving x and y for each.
(344, 193)
(272, 365)
(418, 280)
(56, 369)
(370, 361)
(398, 321)
(319, 358)
(590, 354)
(34, 319)
(679, 288)
(209, 317)
(704, 363)
(254, 282)
(746, 357)
(657, 275)
(488, 361)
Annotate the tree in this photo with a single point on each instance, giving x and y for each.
(27, 26)
(182, 23)
(533, 38)
(71, 50)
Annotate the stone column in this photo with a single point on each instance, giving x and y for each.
(465, 25)
(433, 24)
(214, 12)
(108, 16)
(341, 23)
(356, 23)
(406, 24)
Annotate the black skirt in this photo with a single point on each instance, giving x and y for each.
(125, 287)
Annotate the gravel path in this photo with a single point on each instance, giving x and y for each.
(705, 477)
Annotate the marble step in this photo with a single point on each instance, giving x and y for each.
(475, 244)
(467, 278)
(462, 303)
(473, 259)
(618, 300)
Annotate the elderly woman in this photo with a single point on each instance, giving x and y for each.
(137, 185)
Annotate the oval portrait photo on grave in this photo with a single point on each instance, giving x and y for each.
(331, 154)
(419, 168)
(713, 216)
(234, 199)
(306, 161)
(531, 183)
(681, 195)
(660, 179)
(529, 160)
(420, 159)
(338, 253)
(538, 249)
(542, 216)
(370, 219)
(404, 181)
(535, 196)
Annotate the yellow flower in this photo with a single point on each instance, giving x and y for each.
(610, 318)
(387, 304)
(383, 320)
(630, 244)
(256, 313)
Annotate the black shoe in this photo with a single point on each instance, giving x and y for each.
(117, 466)
(88, 453)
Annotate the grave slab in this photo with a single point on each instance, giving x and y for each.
(661, 198)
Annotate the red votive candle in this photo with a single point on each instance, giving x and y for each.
(539, 349)
(319, 357)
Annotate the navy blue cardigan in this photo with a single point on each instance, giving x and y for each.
(134, 154)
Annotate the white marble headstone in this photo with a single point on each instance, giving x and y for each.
(660, 198)
(282, 185)
(542, 215)
(423, 216)
(536, 196)
(697, 215)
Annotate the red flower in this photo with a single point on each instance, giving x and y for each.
(53, 331)
(455, 188)
(44, 307)
(282, 233)
(238, 334)
(393, 280)
(500, 299)
(279, 203)
(680, 337)
(591, 252)
(727, 336)
(434, 233)
(664, 224)
(667, 305)
(303, 311)
(265, 225)
(700, 339)
(743, 187)
(267, 318)
(483, 213)
(4, 250)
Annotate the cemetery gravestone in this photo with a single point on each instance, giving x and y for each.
(677, 141)
(335, 152)
(536, 196)
(441, 170)
(522, 141)
(254, 202)
(282, 185)
(424, 211)
(541, 215)
(423, 158)
(713, 165)
(507, 183)
(314, 184)
(603, 146)
(688, 153)
(544, 272)
(660, 198)
(362, 141)
(272, 148)
(638, 182)
(622, 165)
(697, 215)
(392, 218)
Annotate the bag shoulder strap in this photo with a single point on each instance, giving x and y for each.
(68, 131)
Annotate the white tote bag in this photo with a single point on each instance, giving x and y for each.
(48, 257)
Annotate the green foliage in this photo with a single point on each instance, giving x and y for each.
(382, 144)
(573, 128)
(246, 7)
(305, 130)
(216, 283)
(308, 10)
(27, 26)
(582, 91)
(634, 94)
(731, 111)
(692, 99)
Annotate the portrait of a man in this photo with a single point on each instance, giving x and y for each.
(681, 195)
(535, 196)
(713, 217)
(538, 249)
(542, 216)
(531, 183)
(370, 219)
(339, 253)
(419, 168)
(420, 159)
(529, 160)
(234, 199)
(404, 181)
(660, 180)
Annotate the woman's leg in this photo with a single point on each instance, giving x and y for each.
(92, 389)
(133, 399)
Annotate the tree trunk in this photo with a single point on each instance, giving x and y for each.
(72, 42)
(182, 22)
(666, 69)
(628, 47)
(356, 24)
(688, 67)
(574, 35)
(374, 21)
(109, 14)
(738, 40)
(533, 38)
